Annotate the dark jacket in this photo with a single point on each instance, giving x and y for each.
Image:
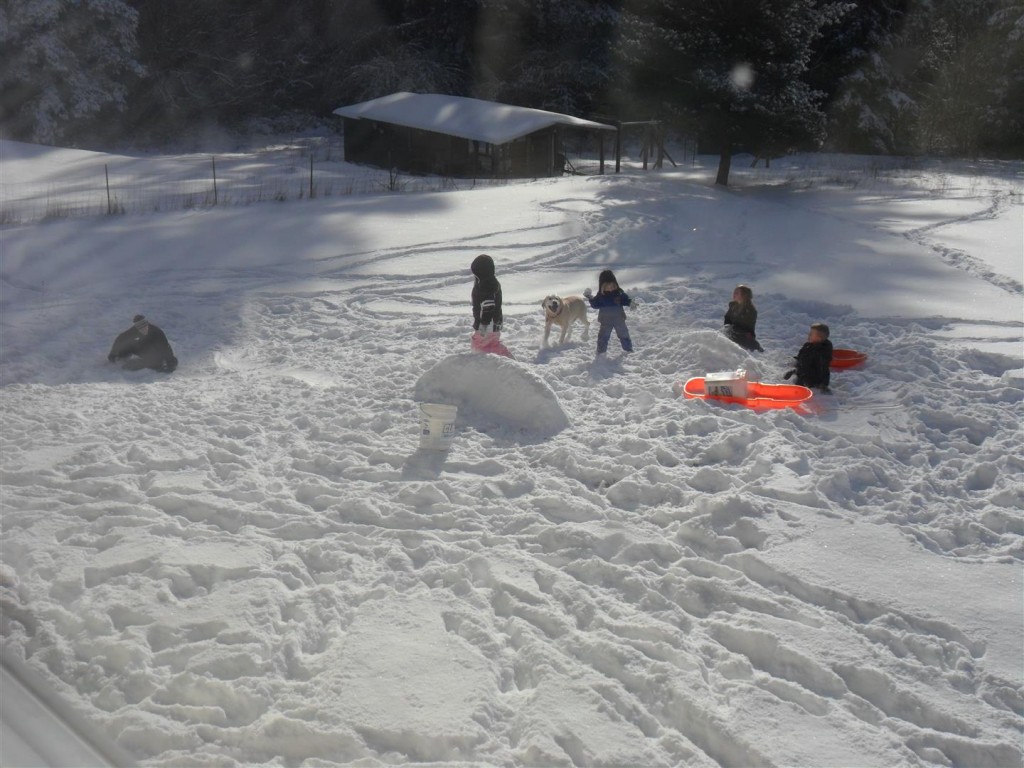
(742, 317)
(609, 306)
(740, 320)
(812, 364)
(152, 348)
(486, 294)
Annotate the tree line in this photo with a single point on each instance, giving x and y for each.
(763, 76)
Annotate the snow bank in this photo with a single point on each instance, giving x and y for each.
(241, 564)
(495, 389)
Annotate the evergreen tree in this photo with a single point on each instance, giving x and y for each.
(946, 76)
(1003, 131)
(967, 104)
(549, 54)
(732, 70)
(65, 63)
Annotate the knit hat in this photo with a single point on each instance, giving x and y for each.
(607, 276)
(139, 322)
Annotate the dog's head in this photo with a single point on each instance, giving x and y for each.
(552, 305)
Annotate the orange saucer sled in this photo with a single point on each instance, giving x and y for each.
(758, 395)
(846, 358)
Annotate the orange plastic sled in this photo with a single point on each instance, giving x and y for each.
(758, 395)
(847, 358)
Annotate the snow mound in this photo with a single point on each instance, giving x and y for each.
(710, 351)
(495, 387)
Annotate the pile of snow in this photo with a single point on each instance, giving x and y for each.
(496, 389)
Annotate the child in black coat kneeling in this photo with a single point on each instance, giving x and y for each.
(813, 360)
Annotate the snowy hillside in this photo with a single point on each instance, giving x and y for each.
(250, 562)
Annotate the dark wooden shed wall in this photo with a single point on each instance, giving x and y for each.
(417, 151)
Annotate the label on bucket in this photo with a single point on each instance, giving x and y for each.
(726, 384)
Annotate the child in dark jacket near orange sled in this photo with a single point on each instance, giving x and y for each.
(609, 303)
(813, 360)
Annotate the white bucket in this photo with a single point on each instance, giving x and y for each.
(437, 426)
(726, 384)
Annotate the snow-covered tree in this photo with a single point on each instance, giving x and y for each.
(545, 54)
(65, 62)
(969, 103)
(733, 70)
(945, 76)
(403, 68)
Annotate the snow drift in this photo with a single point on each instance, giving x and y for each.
(247, 562)
(494, 389)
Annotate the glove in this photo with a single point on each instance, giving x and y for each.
(789, 374)
(587, 293)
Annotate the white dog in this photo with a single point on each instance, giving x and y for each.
(563, 312)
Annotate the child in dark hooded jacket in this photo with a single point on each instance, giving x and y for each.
(486, 295)
(813, 360)
(609, 303)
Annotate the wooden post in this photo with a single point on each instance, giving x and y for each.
(600, 149)
(213, 162)
(660, 135)
(310, 175)
(618, 145)
(106, 173)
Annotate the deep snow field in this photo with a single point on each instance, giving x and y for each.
(251, 562)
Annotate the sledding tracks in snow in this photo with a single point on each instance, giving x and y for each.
(250, 560)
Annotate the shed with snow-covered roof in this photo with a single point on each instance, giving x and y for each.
(458, 136)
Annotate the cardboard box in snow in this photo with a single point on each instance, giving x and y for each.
(726, 384)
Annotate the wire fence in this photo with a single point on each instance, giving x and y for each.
(303, 169)
(136, 185)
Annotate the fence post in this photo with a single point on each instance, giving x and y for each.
(310, 175)
(106, 174)
(618, 145)
(213, 162)
(659, 135)
(600, 139)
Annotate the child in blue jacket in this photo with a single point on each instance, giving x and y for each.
(609, 303)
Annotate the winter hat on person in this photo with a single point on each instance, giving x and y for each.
(607, 276)
(483, 269)
(139, 322)
(482, 266)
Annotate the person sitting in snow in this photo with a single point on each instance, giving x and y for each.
(813, 360)
(486, 307)
(609, 303)
(145, 346)
(740, 319)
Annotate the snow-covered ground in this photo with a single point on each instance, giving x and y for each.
(251, 562)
